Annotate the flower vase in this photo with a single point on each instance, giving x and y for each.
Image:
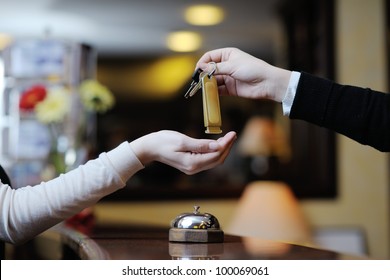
(56, 162)
(69, 111)
(65, 152)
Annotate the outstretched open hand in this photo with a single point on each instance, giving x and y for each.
(182, 152)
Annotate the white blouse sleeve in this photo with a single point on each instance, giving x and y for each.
(28, 211)
(288, 99)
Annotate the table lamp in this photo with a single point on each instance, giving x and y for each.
(264, 141)
(269, 210)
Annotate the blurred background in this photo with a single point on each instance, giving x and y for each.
(145, 53)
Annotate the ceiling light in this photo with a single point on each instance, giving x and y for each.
(204, 15)
(184, 41)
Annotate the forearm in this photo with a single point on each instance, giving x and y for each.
(359, 113)
(30, 210)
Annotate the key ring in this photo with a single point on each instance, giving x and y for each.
(214, 69)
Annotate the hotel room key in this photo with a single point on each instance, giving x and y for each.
(211, 108)
(210, 97)
(195, 85)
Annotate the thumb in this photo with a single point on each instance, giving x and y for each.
(208, 145)
(202, 146)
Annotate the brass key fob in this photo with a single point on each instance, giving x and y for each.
(210, 96)
(211, 108)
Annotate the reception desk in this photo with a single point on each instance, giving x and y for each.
(151, 243)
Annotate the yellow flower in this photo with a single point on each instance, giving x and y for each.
(95, 96)
(54, 107)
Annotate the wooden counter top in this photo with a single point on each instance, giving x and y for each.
(150, 243)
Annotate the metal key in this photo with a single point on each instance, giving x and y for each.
(195, 84)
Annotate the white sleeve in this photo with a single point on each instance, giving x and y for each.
(28, 211)
(288, 99)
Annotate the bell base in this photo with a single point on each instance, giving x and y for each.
(195, 251)
(196, 235)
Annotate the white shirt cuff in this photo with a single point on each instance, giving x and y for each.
(124, 161)
(288, 99)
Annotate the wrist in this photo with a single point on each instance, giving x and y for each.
(281, 82)
(141, 150)
(124, 160)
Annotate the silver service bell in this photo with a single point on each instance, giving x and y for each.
(196, 227)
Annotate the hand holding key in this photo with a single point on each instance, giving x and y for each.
(241, 74)
(210, 97)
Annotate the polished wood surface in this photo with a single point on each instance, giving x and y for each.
(149, 243)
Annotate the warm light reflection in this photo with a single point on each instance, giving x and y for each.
(184, 41)
(262, 247)
(170, 74)
(204, 15)
(161, 78)
(264, 137)
(5, 40)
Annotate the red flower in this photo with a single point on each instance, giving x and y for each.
(31, 97)
(83, 221)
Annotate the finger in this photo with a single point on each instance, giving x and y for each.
(199, 146)
(214, 55)
(206, 145)
(222, 90)
(198, 154)
(220, 68)
(202, 162)
(210, 160)
(226, 151)
(222, 142)
(219, 56)
(226, 86)
(227, 139)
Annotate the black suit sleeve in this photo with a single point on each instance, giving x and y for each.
(361, 114)
(3, 177)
